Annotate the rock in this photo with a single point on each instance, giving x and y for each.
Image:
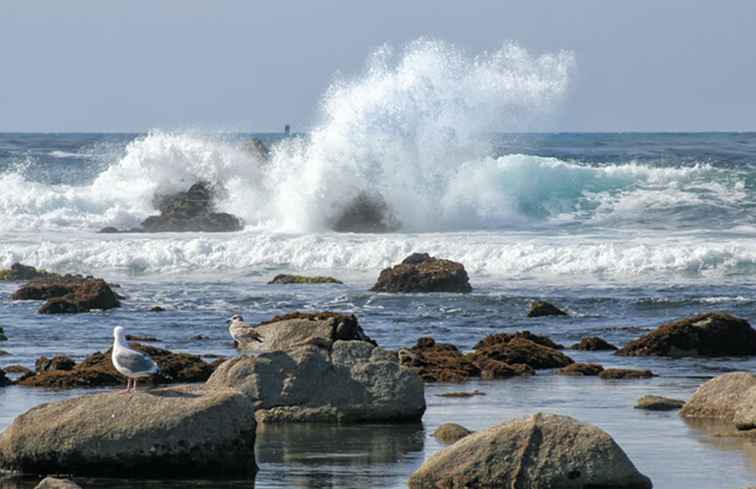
(658, 403)
(97, 370)
(719, 397)
(18, 272)
(423, 273)
(495, 369)
(149, 339)
(4, 381)
(283, 333)
(53, 483)
(164, 433)
(538, 452)
(438, 362)
(17, 369)
(108, 230)
(58, 362)
(357, 382)
(2, 335)
(593, 343)
(522, 351)
(69, 294)
(745, 411)
(451, 432)
(365, 213)
(157, 309)
(709, 335)
(192, 210)
(200, 337)
(257, 149)
(284, 279)
(582, 369)
(476, 392)
(4, 353)
(507, 337)
(625, 373)
(543, 308)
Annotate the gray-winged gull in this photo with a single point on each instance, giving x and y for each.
(242, 332)
(129, 363)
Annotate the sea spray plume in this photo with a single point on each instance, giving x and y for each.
(403, 128)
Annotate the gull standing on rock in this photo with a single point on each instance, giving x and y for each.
(129, 363)
(242, 332)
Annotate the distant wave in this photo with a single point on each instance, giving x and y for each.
(66, 154)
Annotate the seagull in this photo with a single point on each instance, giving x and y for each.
(129, 363)
(242, 332)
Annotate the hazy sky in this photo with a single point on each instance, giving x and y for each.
(244, 65)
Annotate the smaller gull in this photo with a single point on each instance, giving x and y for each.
(129, 363)
(242, 332)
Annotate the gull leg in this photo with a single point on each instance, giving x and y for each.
(135, 383)
(128, 386)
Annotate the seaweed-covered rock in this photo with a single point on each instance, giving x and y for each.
(69, 294)
(58, 362)
(285, 279)
(659, 403)
(719, 397)
(507, 337)
(451, 432)
(625, 373)
(164, 433)
(582, 369)
(709, 335)
(19, 271)
(421, 272)
(593, 343)
(543, 308)
(522, 351)
(192, 210)
(438, 362)
(538, 452)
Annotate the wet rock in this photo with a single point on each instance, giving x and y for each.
(19, 272)
(745, 411)
(58, 362)
(4, 381)
(474, 393)
(423, 273)
(157, 309)
(658, 403)
(496, 369)
(543, 308)
(356, 382)
(258, 149)
(438, 362)
(507, 337)
(109, 230)
(593, 343)
(536, 452)
(200, 337)
(582, 369)
(4, 353)
(192, 210)
(368, 212)
(522, 351)
(719, 397)
(69, 294)
(709, 335)
(288, 331)
(451, 432)
(17, 369)
(53, 483)
(2, 335)
(164, 433)
(285, 279)
(625, 373)
(149, 339)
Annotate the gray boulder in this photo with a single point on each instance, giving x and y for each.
(354, 382)
(163, 433)
(53, 483)
(718, 397)
(658, 403)
(538, 452)
(451, 432)
(745, 411)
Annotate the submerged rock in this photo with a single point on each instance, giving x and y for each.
(543, 308)
(69, 294)
(541, 451)
(19, 271)
(593, 343)
(625, 373)
(709, 335)
(421, 272)
(582, 369)
(462, 394)
(164, 433)
(53, 483)
(658, 403)
(368, 212)
(451, 432)
(719, 397)
(284, 279)
(354, 382)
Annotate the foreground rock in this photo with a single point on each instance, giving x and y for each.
(368, 212)
(541, 451)
(284, 279)
(289, 331)
(719, 397)
(745, 411)
(353, 382)
(582, 369)
(625, 373)
(69, 294)
(450, 433)
(421, 272)
(658, 403)
(97, 370)
(709, 335)
(53, 483)
(165, 433)
(543, 308)
(19, 272)
(593, 343)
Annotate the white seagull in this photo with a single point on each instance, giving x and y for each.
(242, 332)
(129, 363)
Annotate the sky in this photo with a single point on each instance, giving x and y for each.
(99, 66)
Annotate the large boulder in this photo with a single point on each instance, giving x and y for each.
(286, 279)
(745, 411)
(539, 452)
(165, 433)
(719, 397)
(282, 333)
(710, 335)
(19, 271)
(192, 210)
(421, 272)
(449, 433)
(69, 294)
(354, 382)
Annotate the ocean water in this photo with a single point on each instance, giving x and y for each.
(625, 231)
